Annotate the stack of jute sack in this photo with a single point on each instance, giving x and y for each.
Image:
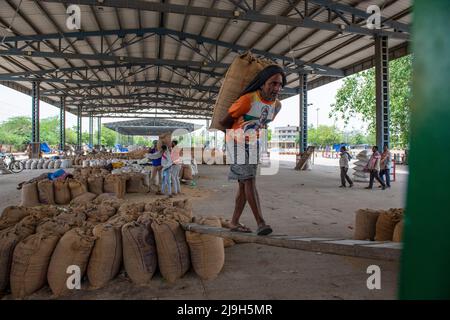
(241, 72)
(49, 244)
(32, 164)
(379, 225)
(87, 184)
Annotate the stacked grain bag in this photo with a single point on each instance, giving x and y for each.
(360, 174)
(379, 225)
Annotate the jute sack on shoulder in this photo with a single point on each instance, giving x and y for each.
(386, 224)
(45, 190)
(77, 188)
(365, 224)
(30, 195)
(207, 251)
(240, 73)
(139, 252)
(106, 257)
(30, 262)
(62, 192)
(74, 248)
(172, 248)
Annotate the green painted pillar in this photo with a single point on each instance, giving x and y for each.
(425, 265)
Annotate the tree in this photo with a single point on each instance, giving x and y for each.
(16, 131)
(357, 97)
(324, 135)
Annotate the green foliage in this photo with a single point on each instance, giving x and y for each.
(357, 97)
(324, 135)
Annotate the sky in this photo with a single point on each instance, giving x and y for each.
(14, 103)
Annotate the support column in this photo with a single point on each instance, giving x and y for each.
(91, 130)
(79, 118)
(35, 139)
(303, 113)
(382, 91)
(62, 124)
(99, 132)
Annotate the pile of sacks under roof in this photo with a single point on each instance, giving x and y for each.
(106, 157)
(46, 244)
(85, 185)
(379, 225)
(33, 164)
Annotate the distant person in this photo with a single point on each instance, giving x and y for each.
(386, 163)
(166, 164)
(176, 167)
(156, 163)
(374, 168)
(343, 164)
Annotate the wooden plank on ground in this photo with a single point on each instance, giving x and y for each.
(356, 248)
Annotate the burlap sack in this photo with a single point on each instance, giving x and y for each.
(45, 190)
(51, 226)
(73, 249)
(106, 257)
(84, 198)
(386, 224)
(398, 232)
(105, 196)
(207, 251)
(172, 248)
(95, 184)
(139, 252)
(166, 138)
(11, 215)
(136, 184)
(74, 219)
(187, 172)
(365, 224)
(62, 191)
(116, 184)
(240, 73)
(30, 195)
(227, 242)
(185, 204)
(30, 263)
(77, 188)
(8, 240)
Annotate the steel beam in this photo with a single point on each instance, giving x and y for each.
(360, 13)
(58, 72)
(382, 91)
(79, 132)
(107, 57)
(35, 112)
(99, 131)
(91, 130)
(62, 124)
(249, 15)
(303, 125)
(163, 31)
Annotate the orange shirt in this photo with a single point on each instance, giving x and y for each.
(252, 112)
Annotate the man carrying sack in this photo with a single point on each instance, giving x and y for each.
(252, 111)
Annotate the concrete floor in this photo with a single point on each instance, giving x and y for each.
(307, 203)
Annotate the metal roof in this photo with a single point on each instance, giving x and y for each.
(149, 127)
(139, 58)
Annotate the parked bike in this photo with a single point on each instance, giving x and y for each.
(8, 162)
